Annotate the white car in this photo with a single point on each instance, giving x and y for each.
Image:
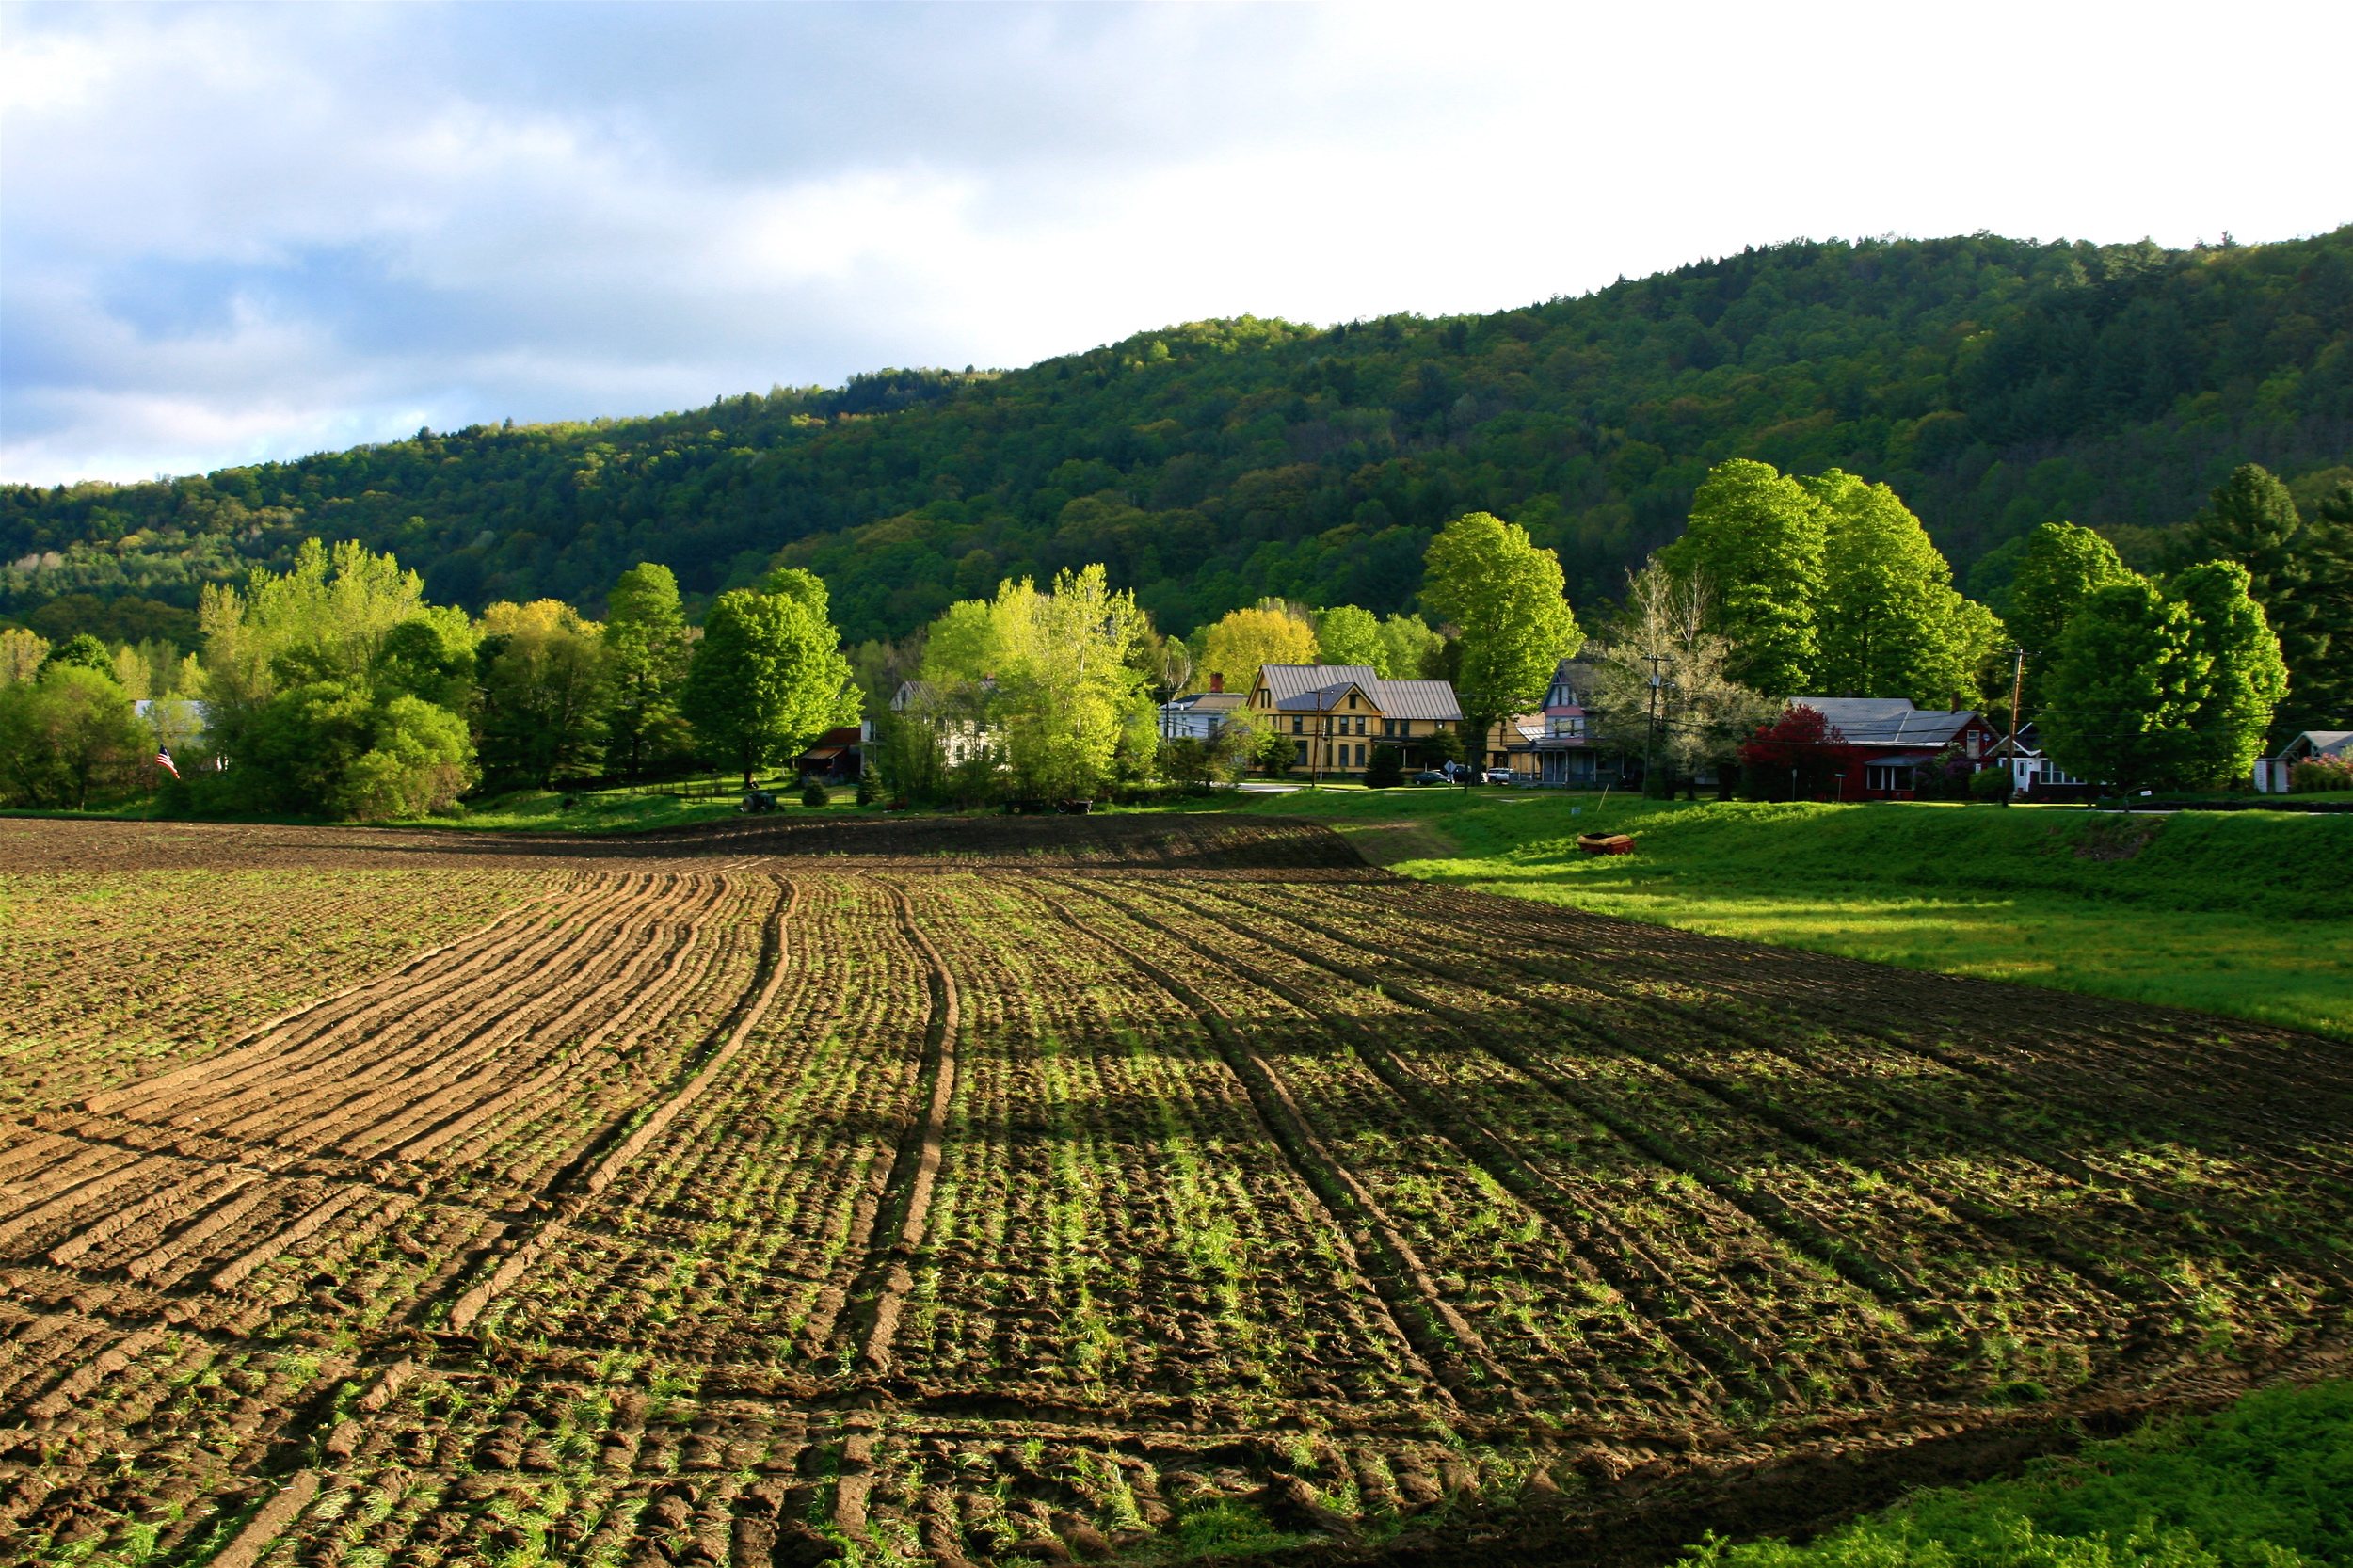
(1498, 776)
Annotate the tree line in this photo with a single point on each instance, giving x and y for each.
(1995, 384)
(337, 688)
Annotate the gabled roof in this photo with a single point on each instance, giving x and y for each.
(1312, 688)
(1206, 702)
(1888, 721)
(2319, 743)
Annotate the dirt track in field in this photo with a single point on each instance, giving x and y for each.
(1018, 1190)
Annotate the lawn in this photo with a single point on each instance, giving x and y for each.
(2241, 914)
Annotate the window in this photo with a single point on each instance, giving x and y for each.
(1298, 725)
(1299, 754)
(1351, 699)
(1360, 752)
(1886, 776)
(1360, 727)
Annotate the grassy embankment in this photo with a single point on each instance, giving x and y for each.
(2244, 914)
(2263, 1484)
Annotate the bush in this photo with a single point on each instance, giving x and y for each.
(66, 735)
(2326, 773)
(869, 788)
(813, 793)
(1384, 772)
(1990, 784)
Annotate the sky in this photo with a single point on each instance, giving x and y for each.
(236, 233)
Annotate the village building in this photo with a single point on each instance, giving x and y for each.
(1555, 747)
(1897, 739)
(1199, 716)
(1337, 714)
(2273, 774)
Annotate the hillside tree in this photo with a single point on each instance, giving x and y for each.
(1237, 644)
(2062, 565)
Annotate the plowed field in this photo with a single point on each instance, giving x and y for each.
(958, 1192)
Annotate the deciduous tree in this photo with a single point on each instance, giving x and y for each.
(1244, 639)
(2063, 566)
(648, 648)
(768, 676)
(1486, 576)
(1756, 544)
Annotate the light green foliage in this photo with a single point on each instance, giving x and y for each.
(2155, 688)
(2125, 683)
(1755, 548)
(83, 652)
(648, 648)
(21, 654)
(417, 761)
(545, 693)
(2061, 566)
(324, 671)
(1411, 649)
(1888, 622)
(1070, 695)
(66, 736)
(338, 748)
(1346, 634)
(1245, 639)
(2259, 1485)
(2244, 680)
(769, 676)
(1487, 577)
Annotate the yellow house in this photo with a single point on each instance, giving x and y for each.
(1335, 715)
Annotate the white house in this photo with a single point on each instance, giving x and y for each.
(2271, 773)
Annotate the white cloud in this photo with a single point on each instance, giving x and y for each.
(236, 233)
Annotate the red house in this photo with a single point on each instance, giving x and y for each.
(1897, 739)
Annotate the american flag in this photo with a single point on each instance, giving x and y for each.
(163, 760)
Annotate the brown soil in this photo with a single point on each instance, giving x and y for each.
(1006, 1188)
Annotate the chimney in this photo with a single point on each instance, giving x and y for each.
(1217, 681)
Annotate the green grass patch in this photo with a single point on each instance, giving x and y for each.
(2267, 1483)
(2242, 914)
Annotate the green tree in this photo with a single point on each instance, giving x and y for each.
(1346, 634)
(1411, 649)
(2242, 678)
(1387, 770)
(648, 648)
(67, 736)
(1245, 639)
(2062, 565)
(82, 653)
(1486, 576)
(545, 697)
(2302, 577)
(1755, 546)
(1695, 715)
(1887, 621)
(2120, 693)
(431, 657)
(768, 676)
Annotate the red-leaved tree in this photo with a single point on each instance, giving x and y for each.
(1800, 749)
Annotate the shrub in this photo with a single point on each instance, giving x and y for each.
(2322, 773)
(1384, 772)
(869, 788)
(813, 793)
(1990, 784)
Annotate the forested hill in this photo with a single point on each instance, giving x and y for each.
(1996, 384)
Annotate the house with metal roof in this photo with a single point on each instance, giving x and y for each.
(2313, 745)
(1337, 714)
(1897, 739)
(1557, 747)
(1199, 716)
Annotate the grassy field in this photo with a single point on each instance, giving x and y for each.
(2241, 914)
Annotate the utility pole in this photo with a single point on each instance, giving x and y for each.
(1650, 730)
(2009, 751)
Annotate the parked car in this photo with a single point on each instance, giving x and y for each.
(1431, 776)
(1498, 776)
